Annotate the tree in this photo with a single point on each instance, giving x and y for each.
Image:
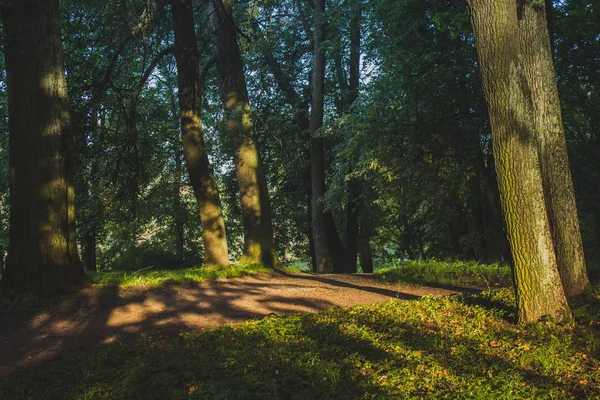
(556, 173)
(194, 149)
(42, 254)
(502, 51)
(256, 210)
(328, 248)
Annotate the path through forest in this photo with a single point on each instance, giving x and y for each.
(100, 315)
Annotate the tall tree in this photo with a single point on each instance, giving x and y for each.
(42, 254)
(501, 51)
(556, 173)
(329, 257)
(259, 246)
(194, 149)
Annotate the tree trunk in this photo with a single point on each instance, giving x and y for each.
(364, 253)
(89, 253)
(178, 209)
(354, 185)
(327, 259)
(42, 253)
(194, 149)
(556, 174)
(256, 210)
(539, 291)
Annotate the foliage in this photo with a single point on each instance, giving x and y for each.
(469, 273)
(458, 346)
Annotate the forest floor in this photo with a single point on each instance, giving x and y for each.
(99, 315)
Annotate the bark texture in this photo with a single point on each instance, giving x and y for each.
(42, 253)
(556, 174)
(515, 148)
(194, 149)
(256, 210)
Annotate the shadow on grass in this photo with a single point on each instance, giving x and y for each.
(383, 351)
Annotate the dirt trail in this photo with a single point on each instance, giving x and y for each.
(100, 315)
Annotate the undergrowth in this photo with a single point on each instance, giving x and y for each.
(451, 347)
(469, 273)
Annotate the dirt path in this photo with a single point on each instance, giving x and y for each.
(96, 316)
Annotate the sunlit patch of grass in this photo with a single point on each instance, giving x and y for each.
(160, 277)
(469, 273)
(451, 347)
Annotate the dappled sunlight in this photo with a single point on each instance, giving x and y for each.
(98, 313)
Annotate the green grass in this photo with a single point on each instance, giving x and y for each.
(469, 273)
(452, 347)
(161, 277)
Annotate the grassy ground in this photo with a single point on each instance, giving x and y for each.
(447, 273)
(159, 277)
(144, 278)
(453, 347)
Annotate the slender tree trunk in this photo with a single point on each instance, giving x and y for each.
(194, 149)
(42, 254)
(352, 227)
(259, 246)
(178, 212)
(556, 174)
(354, 185)
(539, 291)
(327, 259)
(364, 243)
(89, 253)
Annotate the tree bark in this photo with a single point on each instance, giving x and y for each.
(515, 148)
(556, 173)
(194, 149)
(259, 246)
(42, 254)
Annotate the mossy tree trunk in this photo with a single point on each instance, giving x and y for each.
(556, 173)
(256, 211)
(194, 149)
(42, 253)
(515, 148)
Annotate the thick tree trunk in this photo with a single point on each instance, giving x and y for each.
(539, 290)
(42, 254)
(194, 149)
(556, 174)
(256, 210)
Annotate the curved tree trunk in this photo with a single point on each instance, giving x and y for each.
(256, 210)
(556, 174)
(42, 253)
(515, 148)
(194, 149)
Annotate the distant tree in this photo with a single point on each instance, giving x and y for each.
(503, 53)
(328, 246)
(42, 253)
(259, 246)
(194, 149)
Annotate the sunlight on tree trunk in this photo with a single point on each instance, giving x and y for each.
(496, 31)
(42, 254)
(201, 176)
(256, 210)
(556, 173)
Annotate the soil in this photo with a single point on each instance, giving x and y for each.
(96, 316)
